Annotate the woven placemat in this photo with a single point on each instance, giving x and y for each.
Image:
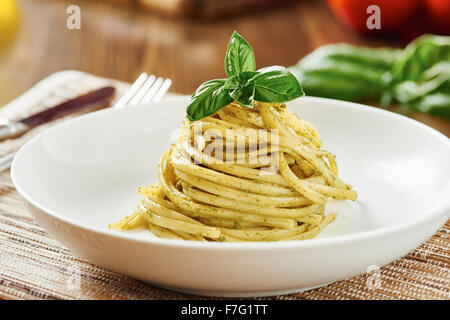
(35, 266)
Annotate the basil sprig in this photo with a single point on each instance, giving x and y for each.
(417, 77)
(243, 85)
(421, 76)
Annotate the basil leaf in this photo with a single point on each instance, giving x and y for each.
(275, 84)
(421, 75)
(437, 103)
(431, 80)
(232, 83)
(339, 86)
(236, 93)
(335, 71)
(246, 76)
(381, 58)
(244, 92)
(419, 56)
(244, 95)
(417, 76)
(208, 99)
(239, 57)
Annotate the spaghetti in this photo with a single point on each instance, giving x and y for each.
(242, 174)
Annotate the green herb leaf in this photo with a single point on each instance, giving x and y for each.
(239, 57)
(232, 82)
(244, 85)
(421, 75)
(246, 76)
(275, 84)
(244, 95)
(208, 99)
(419, 56)
(430, 81)
(335, 71)
(381, 58)
(437, 103)
(417, 77)
(243, 91)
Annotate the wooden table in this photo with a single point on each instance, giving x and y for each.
(120, 42)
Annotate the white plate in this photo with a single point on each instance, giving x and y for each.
(83, 174)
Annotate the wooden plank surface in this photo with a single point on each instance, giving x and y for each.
(119, 42)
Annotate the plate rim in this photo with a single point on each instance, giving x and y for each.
(306, 244)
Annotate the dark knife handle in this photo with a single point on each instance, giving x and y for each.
(86, 102)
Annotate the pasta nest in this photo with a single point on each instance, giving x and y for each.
(242, 174)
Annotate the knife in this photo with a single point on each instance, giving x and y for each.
(87, 102)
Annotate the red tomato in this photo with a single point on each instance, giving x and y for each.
(438, 14)
(393, 13)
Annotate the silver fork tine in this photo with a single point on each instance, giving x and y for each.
(162, 91)
(131, 91)
(145, 89)
(153, 90)
(149, 83)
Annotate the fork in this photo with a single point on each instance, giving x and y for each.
(144, 90)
